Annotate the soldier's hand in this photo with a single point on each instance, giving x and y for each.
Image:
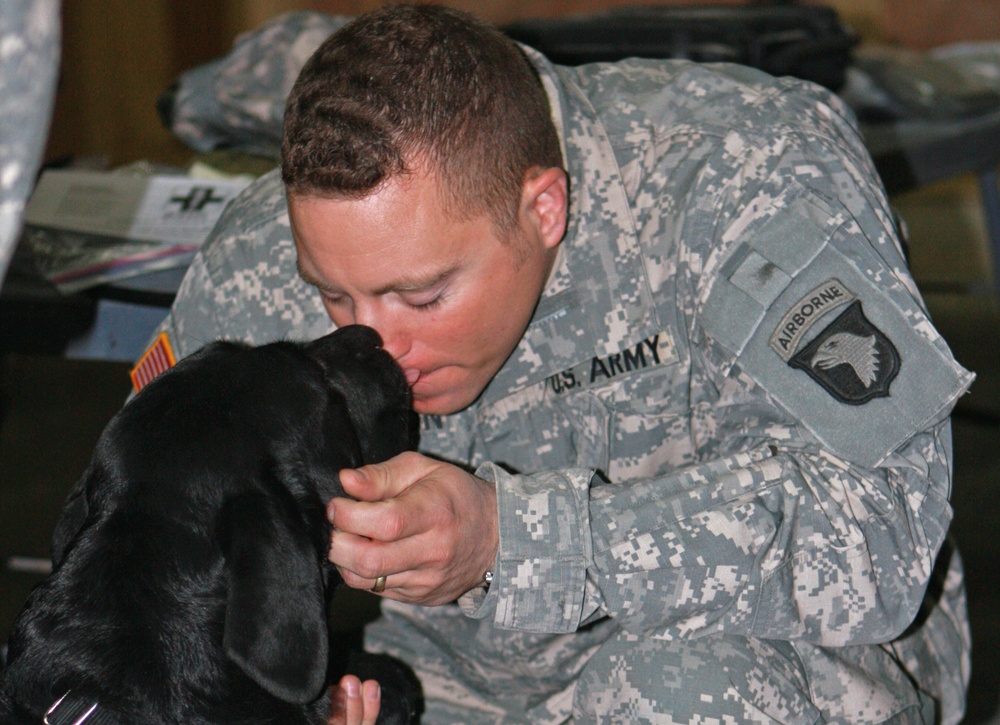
(354, 702)
(430, 528)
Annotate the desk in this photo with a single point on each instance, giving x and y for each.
(110, 322)
(125, 317)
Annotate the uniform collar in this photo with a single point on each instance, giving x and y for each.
(597, 301)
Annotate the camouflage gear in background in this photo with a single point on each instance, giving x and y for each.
(721, 450)
(238, 101)
(29, 58)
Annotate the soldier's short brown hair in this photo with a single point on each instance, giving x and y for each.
(406, 85)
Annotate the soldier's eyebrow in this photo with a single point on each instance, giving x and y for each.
(309, 279)
(415, 284)
(403, 284)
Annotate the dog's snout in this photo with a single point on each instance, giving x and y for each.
(363, 340)
(357, 341)
(358, 346)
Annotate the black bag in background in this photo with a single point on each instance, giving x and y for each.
(807, 42)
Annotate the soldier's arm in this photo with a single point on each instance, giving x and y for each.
(787, 544)
(822, 500)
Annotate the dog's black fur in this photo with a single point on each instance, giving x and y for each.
(190, 581)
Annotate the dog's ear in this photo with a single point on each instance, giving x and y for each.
(71, 518)
(275, 627)
(6, 709)
(99, 474)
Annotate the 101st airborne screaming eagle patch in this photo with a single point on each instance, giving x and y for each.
(850, 358)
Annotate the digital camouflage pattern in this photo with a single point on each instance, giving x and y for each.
(692, 528)
(29, 57)
(239, 100)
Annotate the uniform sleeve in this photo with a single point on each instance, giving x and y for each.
(771, 543)
(191, 322)
(818, 508)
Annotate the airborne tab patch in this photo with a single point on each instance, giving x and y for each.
(805, 313)
(851, 358)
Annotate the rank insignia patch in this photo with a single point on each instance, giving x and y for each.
(852, 359)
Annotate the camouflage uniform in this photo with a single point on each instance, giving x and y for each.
(721, 448)
(29, 57)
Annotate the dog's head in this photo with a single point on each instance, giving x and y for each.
(190, 577)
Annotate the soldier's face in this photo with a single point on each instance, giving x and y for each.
(449, 297)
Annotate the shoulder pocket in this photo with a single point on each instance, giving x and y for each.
(849, 359)
(765, 255)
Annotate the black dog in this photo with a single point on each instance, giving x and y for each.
(190, 581)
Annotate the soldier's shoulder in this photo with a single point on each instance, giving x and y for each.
(713, 99)
(261, 203)
(253, 231)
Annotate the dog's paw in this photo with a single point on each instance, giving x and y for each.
(402, 698)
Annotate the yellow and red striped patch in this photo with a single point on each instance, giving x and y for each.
(157, 359)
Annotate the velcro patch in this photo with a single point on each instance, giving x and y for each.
(156, 360)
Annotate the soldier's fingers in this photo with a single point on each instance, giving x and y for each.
(379, 481)
(372, 699)
(354, 702)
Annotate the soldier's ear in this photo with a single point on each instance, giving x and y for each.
(545, 201)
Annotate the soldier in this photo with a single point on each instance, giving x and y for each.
(685, 451)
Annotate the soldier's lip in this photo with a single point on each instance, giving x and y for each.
(412, 376)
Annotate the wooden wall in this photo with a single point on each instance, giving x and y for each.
(118, 55)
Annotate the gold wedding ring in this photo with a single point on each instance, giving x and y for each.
(379, 585)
